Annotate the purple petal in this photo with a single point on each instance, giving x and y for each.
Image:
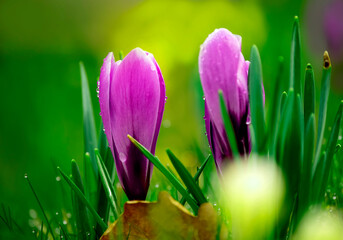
(107, 70)
(218, 62)
(135, 109)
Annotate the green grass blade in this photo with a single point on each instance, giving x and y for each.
(317, 179)
(324, 96)
(103, 204)
(173, 180)
(103, 144)
(273, 114)
(90, 138)
(187, 179)
(309, 93)
(91, 185)
(290, 142)
(228, 126)
(295, 74)
(108, 186)
(80, 209)
(197, 175)
(331, 146)
(256, 100)
(84, 200)
(306, 169)
(40, 206)
(283, 99)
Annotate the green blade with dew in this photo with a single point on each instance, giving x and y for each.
(228, 126)
(41, 207)
(309, 93)
(197, 175)
(295, 68)
(255, 83)
(103, 204)
(84, 200)
(80, 209)
(331, 147)
(107, 184)
(89, 132)
(173, 180)
(273, 114)
(187, 178)
(324, 96)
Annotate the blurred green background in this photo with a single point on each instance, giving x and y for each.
(42, 42)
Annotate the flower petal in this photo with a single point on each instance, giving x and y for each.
(134, 109)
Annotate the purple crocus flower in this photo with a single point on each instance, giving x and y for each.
(132, 98)
(222, 67)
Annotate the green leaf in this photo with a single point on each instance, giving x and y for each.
(330, 148)
(103, 143)
(41, 207)
(90, 138)
(309, 93)
(324, 96)
(273, 116)
(197, 175)
(82, 197)
(306, 169)
(80, 209)
(317, 179)
(108, 186)
(91, 183)
(283, 99)
(256, 100)
(295, 74)
(290, 142)
(228, 126)
(186, 177)
(103, 204)
(173, 180)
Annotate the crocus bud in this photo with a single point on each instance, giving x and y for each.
(222, 67)
(132, 98)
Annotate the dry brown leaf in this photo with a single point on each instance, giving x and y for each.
(164, 219)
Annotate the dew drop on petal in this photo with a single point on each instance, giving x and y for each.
(122, 157)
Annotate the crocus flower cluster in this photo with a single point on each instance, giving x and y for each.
(132, 98)
(222, 67)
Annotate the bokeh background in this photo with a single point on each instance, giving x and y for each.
(42, 42)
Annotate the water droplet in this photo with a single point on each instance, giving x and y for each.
(56, 213)
(58, 178)
(203, 98)
(33, 213)
(65, 222)
(122, 157)
(25, 176)
(166, 123)
(340, 137)
(97, 92)
(157, 185)
(334, 197)
(248, 121)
